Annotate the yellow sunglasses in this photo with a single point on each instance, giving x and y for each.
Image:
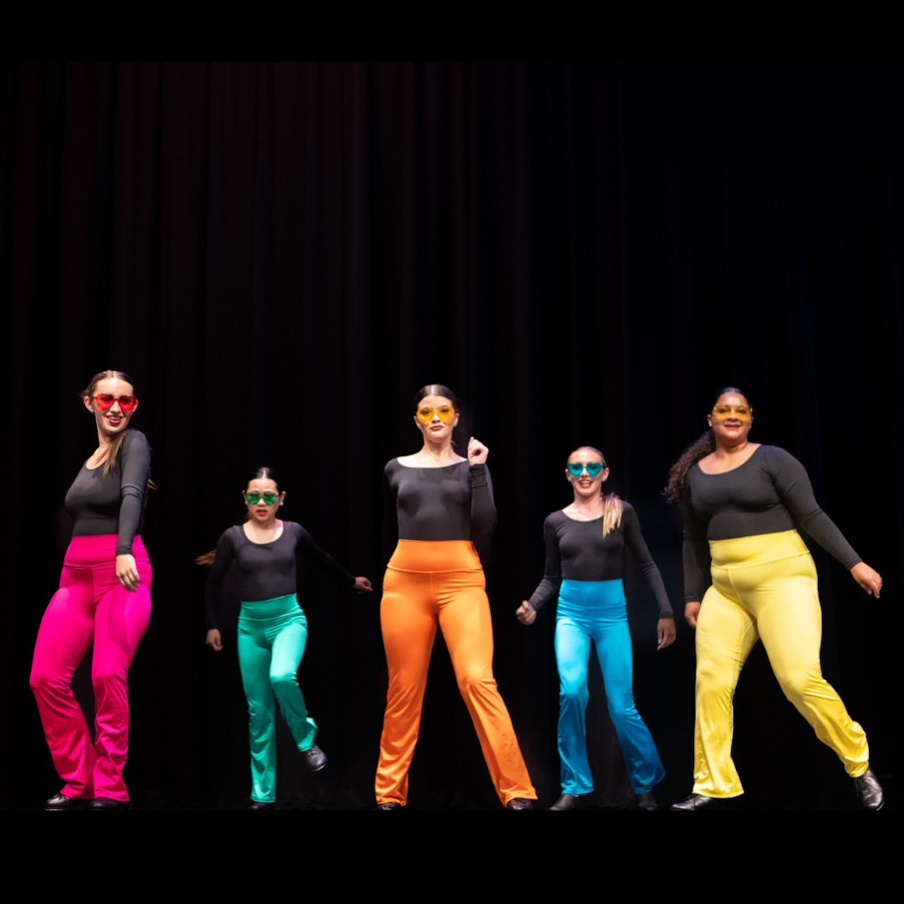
(446, 413)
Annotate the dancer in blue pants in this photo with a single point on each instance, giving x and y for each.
(584, 550)
(273, 629)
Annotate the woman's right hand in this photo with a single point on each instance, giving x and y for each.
(526, 613)
(214, 641)
(691, 613)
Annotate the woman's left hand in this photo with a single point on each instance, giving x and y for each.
(362, 585)
(665, 632)
(867, 578)
(127, 572)
(477, 452)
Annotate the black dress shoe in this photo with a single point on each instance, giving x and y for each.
(697, 802)
(646, 801)
(315, 758)
(868, 790)
(260, 806)
(568, 802)
(519, 803)
(61, 802)
(107, 803)
(390, 805)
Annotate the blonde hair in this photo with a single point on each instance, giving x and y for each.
(613, 507)
(112, 459)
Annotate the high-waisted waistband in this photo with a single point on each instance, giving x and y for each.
(435, 556)
(264, 610)
(100, 549)
(591, 597)
(605, 590)
(757, 549)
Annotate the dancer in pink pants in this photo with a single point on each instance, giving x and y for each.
(104, 598)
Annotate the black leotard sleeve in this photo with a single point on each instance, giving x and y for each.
(266, 570)
(638, 545)
(451, 503)
(771, 492)
(113, 503)
(577, 551)
(552, 573)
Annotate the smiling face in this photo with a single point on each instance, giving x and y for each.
(113, 402)
(584, 483)
(436, 418)
(731, 418)
(265, 500)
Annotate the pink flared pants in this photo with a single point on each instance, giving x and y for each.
(91, 606)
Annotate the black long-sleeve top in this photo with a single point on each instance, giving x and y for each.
(266, 570)
(450, 503)
(769, 493)
(577, 551)
(113, 503)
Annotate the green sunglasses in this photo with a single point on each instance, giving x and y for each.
(255, 498)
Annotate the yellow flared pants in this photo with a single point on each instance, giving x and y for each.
(764, 588)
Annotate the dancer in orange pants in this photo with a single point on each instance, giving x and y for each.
(435, 578)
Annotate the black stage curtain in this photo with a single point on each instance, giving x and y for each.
(282, 253)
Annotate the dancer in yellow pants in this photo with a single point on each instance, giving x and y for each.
(742, 504)
(764, 588)
(435, 578)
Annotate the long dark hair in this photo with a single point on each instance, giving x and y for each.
(700, 448)
(112, 459)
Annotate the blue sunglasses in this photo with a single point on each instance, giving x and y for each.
(593, 468)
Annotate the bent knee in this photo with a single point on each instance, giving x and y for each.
(476, 683)
(47, 683)
(715, 680)
(574, 692)
(106, 681)
(803, 683)
(283, 682)
(622, 711)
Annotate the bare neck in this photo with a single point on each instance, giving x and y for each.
(586, 508)
(435, 455)
(731, 451)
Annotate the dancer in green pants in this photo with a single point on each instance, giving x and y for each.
(273, 629)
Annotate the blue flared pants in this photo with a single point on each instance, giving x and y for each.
(596, 611)
(272, 637)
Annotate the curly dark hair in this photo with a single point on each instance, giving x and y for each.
(698, 449)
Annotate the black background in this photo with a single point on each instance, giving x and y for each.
(280, 254)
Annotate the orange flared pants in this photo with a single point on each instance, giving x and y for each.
(430, 583)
